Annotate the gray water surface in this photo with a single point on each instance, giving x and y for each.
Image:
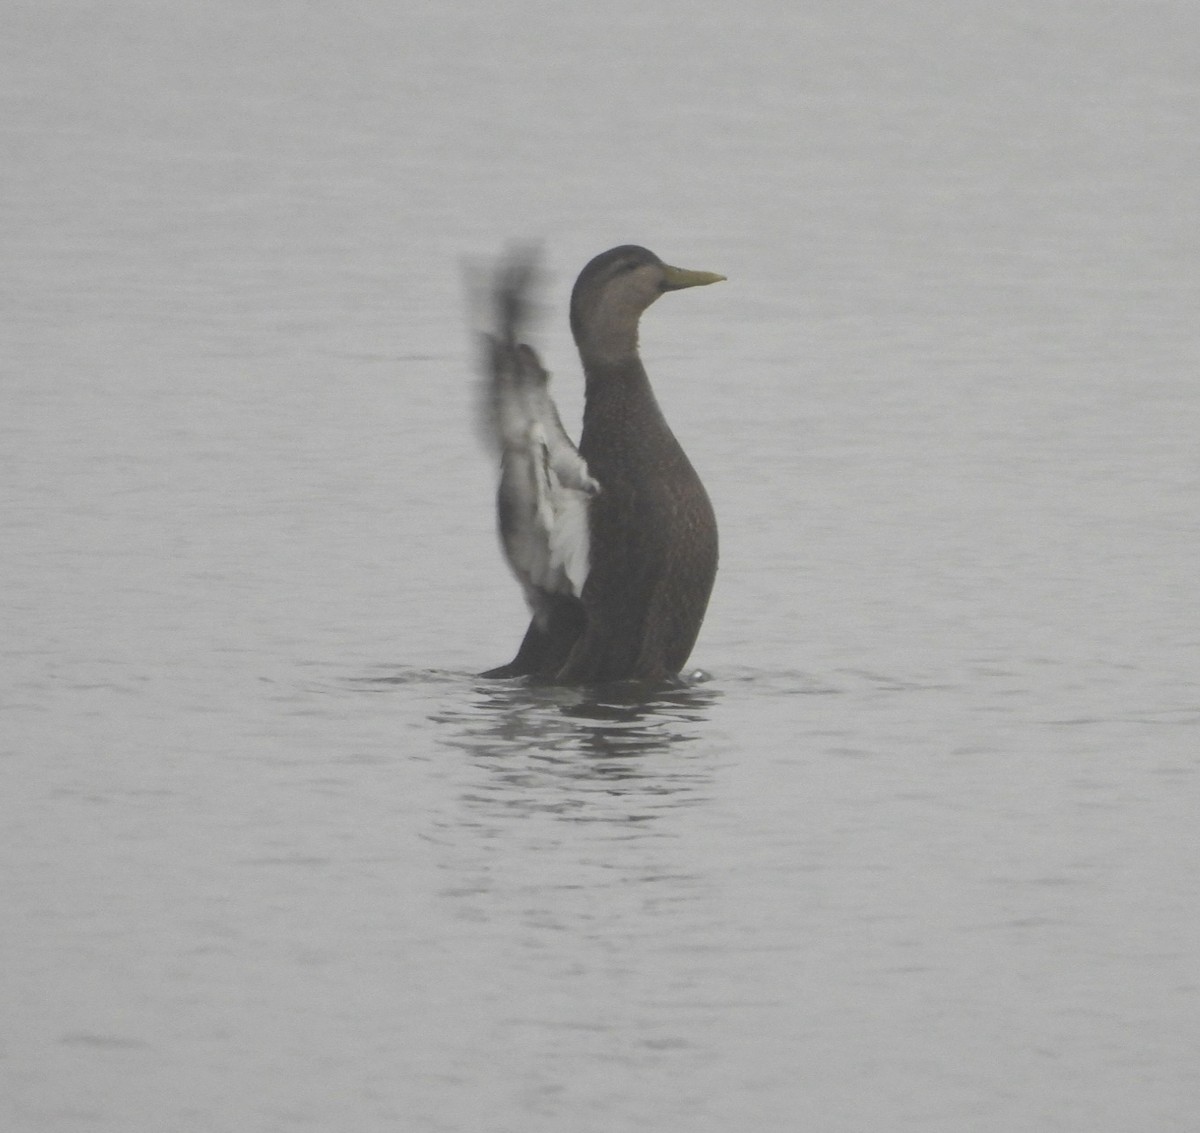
(917, 852)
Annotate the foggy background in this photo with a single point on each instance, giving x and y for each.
(918, 855)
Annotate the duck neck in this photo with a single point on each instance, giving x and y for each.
(616, 379)
(610, 343)
(619, 404)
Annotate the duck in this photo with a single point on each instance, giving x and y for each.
(614, 540)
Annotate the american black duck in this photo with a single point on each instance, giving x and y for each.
(614, 543)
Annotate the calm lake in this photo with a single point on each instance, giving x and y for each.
(915, 850)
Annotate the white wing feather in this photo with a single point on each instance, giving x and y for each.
(544, 483)
(545, 488)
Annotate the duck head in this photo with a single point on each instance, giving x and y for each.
(611, 293)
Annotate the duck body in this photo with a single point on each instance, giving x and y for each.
(615, 544)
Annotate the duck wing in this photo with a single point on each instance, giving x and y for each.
(545, 488)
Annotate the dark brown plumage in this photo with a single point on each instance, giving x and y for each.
(649, 553)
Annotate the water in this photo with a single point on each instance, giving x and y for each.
(917, 855)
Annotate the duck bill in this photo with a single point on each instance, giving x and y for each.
(679, 278)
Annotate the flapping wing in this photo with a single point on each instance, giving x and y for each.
(545, 487)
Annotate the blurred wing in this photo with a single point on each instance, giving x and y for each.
(545, 488)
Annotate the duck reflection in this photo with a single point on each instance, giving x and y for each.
(575, 815)
(617, 722)
(575, 752)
